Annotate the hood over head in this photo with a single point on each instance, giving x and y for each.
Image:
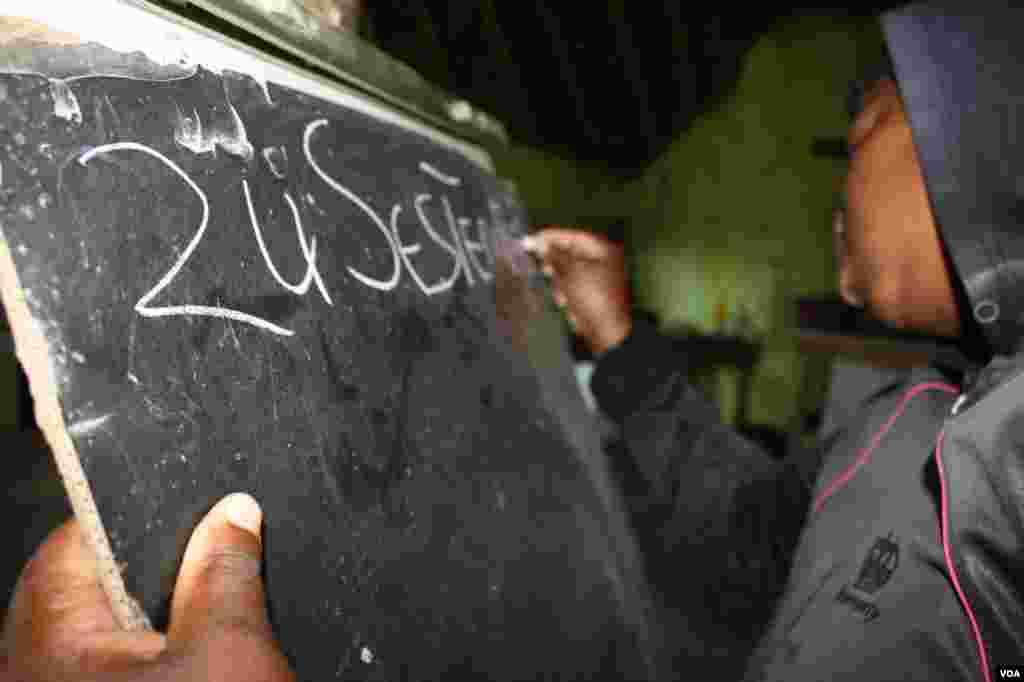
(960, 70)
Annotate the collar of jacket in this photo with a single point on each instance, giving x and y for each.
(979, 382)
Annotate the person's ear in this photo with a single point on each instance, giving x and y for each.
(878, 104)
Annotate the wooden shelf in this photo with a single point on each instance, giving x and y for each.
(826, 325)
(882, 352)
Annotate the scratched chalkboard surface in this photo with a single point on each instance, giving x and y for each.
(243, 282)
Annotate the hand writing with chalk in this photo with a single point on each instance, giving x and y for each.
(60, 625)
(589, 280)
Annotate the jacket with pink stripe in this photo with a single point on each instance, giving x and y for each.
(891, 553)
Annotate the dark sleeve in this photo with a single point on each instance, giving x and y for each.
(717, 517)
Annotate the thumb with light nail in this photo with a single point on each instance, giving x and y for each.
(60, 624)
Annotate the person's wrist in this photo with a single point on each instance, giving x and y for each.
(611, 336)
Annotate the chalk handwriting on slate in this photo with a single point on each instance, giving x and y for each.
(142, 307)
(465, 252)
(308, 249)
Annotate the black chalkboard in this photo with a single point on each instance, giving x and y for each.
(240, 285)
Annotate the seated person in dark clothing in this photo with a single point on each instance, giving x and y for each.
(898, 558)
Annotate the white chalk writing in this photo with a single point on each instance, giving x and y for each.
(468, 255)
(443, 177)
(337, 186)
(473, 248)
(308, 249)
(142, 307)
(437, 239)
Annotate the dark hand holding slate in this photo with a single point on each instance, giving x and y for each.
(226, 278)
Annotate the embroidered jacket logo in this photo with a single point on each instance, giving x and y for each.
(875, 572)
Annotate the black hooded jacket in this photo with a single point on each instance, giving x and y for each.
(896, 551)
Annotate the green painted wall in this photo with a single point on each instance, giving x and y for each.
(559, 190)
(738, 210)
(735, 211)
